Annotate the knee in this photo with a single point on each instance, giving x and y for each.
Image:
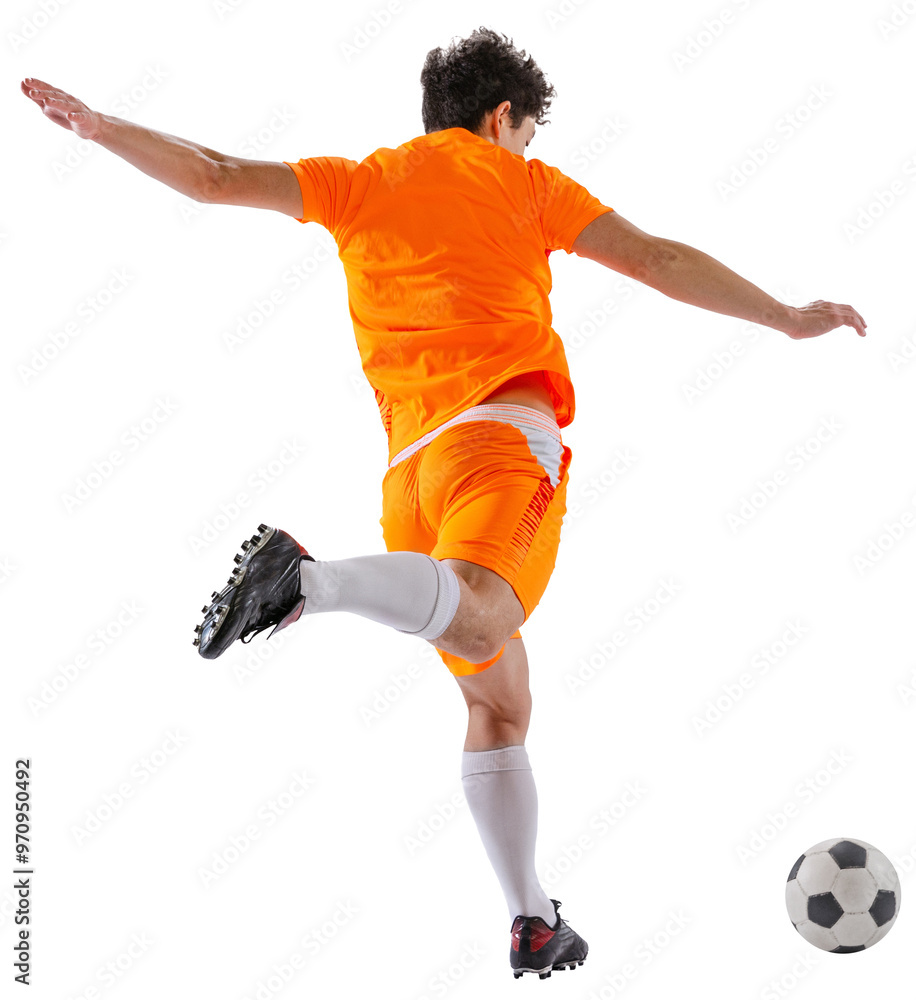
(486, 630)
(486, 644)
(488, 615)
(500, 717)
(474, 646)
(479, 633)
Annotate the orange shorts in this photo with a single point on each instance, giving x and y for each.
(476, 491)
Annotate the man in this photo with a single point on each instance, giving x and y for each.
(445, 243)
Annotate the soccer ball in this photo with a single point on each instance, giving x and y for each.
(843, 895)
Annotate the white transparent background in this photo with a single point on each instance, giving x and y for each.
(658, 106)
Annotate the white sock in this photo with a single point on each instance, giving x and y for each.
(499, 788)
(409, 591)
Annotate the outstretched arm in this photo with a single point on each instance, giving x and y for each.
(689, 275)
(194, 170)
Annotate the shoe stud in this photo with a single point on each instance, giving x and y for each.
(238, 559)
(263, 527)
(197, 642)
(246, 545)
(204, 609)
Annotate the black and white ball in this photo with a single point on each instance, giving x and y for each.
(843, 895)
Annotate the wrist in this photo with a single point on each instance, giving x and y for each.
(782, 317)
(108, 126)
(792, 321)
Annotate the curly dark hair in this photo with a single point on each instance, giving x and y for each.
(462, 84)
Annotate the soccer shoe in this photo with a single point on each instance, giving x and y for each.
(541, 949)
(263, 590)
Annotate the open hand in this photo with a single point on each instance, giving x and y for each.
(820, 317)
(62, 108)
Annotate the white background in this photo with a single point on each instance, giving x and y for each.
(656, 111)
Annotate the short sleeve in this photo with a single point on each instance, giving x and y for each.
(324, 182)
(565, 206)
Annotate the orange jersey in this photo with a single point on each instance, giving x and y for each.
(445, 243)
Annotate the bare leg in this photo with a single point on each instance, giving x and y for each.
(499, 701)
(488, 613)
(498, 782)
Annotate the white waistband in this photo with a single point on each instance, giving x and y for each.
(508, 413)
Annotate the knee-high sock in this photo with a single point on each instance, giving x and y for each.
(499, 788)
(409, 591)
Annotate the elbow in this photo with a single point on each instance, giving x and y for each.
(210, 182)
(657, 256)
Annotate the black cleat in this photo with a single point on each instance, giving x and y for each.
(541, 949)
(263, 590)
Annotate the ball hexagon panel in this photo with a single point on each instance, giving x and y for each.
(884, 872)
(854, 930)
(820, 937)
(855, 890)
(796, 902)
(817, 873)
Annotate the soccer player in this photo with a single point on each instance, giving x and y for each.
(445, 243)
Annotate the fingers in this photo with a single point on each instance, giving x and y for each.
(854, 319)
(844, 315)
(40, 91)
(35, 88)
(823, 316)
(38, 94)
